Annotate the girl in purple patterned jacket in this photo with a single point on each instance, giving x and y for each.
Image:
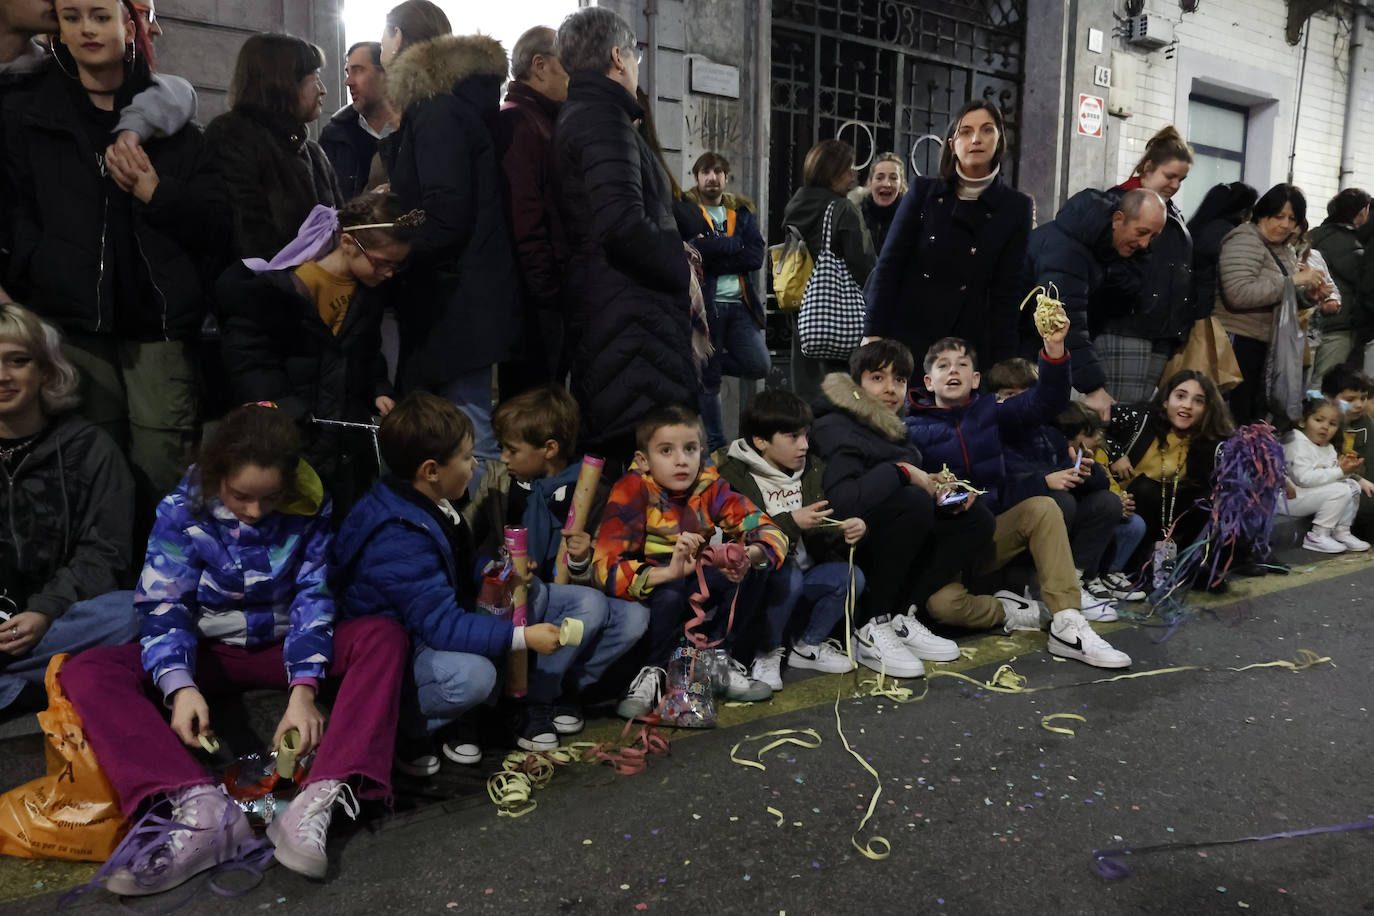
(233, 597)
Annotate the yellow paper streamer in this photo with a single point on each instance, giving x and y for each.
(776, 813)
(783, 735)
(1046, 720)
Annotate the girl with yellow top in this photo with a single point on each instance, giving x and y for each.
(1163, 454)
(304, 331)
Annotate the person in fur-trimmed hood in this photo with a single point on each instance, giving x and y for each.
(459, 305)
(872, 471)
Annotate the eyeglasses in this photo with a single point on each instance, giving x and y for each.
(381, 265)
(146, 12)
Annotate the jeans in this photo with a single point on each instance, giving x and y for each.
(106, 620)
(143, 757)
(740, 351)
(472, 392)
(1129, 532)
(824, 586)
(1090, 519)
(610, 627)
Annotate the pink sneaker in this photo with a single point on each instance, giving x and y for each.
(298, 835)
(205, 829)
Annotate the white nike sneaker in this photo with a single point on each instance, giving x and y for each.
(878, 648)
(1072, 637)
(1021, 614)
(920, 641)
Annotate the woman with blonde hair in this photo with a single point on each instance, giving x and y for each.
(1150, 310)
(65, 514)
(882, 195)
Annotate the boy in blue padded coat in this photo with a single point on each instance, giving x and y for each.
(957, 428)
(404, 552)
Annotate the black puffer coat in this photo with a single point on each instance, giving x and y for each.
(1073, 252)
(64, 221)
(458, 304)
(627, 274)
(276, 348)
(273, 173)
(1163, 307)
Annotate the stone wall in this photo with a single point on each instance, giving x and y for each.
(201, 39)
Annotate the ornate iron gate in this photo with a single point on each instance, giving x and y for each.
(900, 68)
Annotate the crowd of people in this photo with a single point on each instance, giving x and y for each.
(216, 480)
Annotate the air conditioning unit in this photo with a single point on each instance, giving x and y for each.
(1149, 32)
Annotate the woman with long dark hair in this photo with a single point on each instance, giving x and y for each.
(1163, 453)
(273, 171)
(111, 243)
(1223, 208)
(953, 262)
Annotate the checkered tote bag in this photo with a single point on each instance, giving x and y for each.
(831, 322)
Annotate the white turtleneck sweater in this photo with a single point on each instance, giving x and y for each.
(972, 188)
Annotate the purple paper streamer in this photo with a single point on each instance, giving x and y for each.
(1107, 862)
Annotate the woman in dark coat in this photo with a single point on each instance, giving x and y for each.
(112, 248)
(1224, 207)
(627, 278)
(954, 259)
(273, 171)
(459, 306)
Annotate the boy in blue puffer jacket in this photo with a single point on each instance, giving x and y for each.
(404, 552)
(958, 429)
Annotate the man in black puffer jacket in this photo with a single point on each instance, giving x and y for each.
(627, 278)
(1089, 234)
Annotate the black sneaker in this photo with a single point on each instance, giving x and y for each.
(458, 742)
(537, 731)
(415, 756)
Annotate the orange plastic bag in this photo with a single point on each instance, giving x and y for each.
(71, 813)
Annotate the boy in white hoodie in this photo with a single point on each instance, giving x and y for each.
(771, 466)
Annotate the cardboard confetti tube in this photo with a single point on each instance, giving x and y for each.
(587, 481)
(570, 632)
(517, 545)
(287, 751)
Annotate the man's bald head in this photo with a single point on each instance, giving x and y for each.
(1139, 217)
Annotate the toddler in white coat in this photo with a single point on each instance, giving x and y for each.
(1328, 487)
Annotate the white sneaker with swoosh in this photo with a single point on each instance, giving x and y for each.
(1072, 637)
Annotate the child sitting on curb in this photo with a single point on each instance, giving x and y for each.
(405, 553)
(957, 428)
(771, 465)
(532, 488)
(657, 519)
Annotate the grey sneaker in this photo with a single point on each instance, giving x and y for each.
(644, 694)
(741, 688)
